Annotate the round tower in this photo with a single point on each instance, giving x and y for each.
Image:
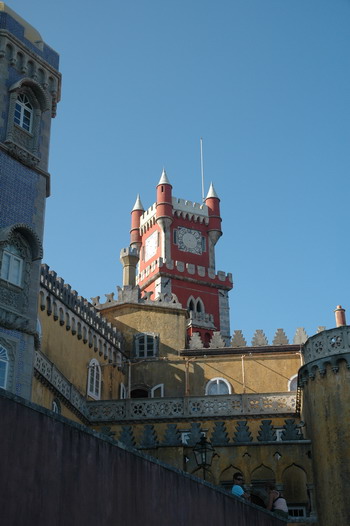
(325, 382)
(164, 213)
(214, 233)
(136, 213)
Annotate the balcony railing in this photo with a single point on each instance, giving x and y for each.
(192, 407)
(165, 409)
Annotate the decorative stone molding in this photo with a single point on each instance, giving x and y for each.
(30, 64)
(327, 343)
(129, 294)
(259, 339)
(325, 348)
(79, 316)
(201, 319)
(188, 272)
(48, 374)
(238, 339)
(192, 407)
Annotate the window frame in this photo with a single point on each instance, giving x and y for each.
(146, 340)
(94, 379)
(13, 257)
(4, 351)
(22, 106)
(154, 390)
(217, 381)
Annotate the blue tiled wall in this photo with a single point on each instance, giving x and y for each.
(9, 23)
(18, 192)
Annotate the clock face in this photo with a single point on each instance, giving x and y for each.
(151, 245)
(189, 240)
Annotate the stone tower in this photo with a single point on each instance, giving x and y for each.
(29, 92)
(325, 382)
(175, 240)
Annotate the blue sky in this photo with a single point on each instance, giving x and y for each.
(266, 83)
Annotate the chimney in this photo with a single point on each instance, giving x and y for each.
(340, 316)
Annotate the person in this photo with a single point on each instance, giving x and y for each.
(237, 488)
(277, 503)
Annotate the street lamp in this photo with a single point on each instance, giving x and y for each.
(203, 453)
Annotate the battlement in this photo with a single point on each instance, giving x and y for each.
(130, 294)
(190, 210)
(189, 269)
(148, 218)
(129, 251)
(81, 307)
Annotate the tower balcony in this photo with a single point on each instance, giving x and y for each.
(201, 319)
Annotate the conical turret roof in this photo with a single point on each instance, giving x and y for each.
(211, 192)
(138, 205)
(164, 178)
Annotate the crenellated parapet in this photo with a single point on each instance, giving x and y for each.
(132, 295)
(328, 348)
(79, 316)
(180, 208)
(190, 210)
(259, 339)
(186, 271)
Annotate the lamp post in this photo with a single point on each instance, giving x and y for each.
(203, 453)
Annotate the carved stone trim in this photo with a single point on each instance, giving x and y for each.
(192, 407)
(308, 371)
(327, 343)
(22, 155)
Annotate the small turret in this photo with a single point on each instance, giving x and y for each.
(164, 214)
(214, 232)
(129, 257)
(136, 213)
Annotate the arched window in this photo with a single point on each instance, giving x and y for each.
(94, 379)
(293, 383)
(4, 362)
(191, 303)
(200, 305)
(218, 386)
(23, 116)
(12, 265)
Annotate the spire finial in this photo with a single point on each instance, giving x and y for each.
(138, 205)
(211, 192)
(164, 178)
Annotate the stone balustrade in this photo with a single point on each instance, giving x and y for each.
(192, 407)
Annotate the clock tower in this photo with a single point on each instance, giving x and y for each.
(175, 240)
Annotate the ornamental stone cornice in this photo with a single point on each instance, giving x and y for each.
(308, 371)
(326, 348)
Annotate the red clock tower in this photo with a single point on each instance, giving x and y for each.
(175, 240)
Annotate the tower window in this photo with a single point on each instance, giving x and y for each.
(11, 266)
(23, 112)
(218, 386)
(3, 367)
(94, 380)
(204, 244)
(175, 236)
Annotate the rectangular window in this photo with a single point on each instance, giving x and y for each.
(204, 244)
(175, 236)
(145, 346)
(11, 268)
